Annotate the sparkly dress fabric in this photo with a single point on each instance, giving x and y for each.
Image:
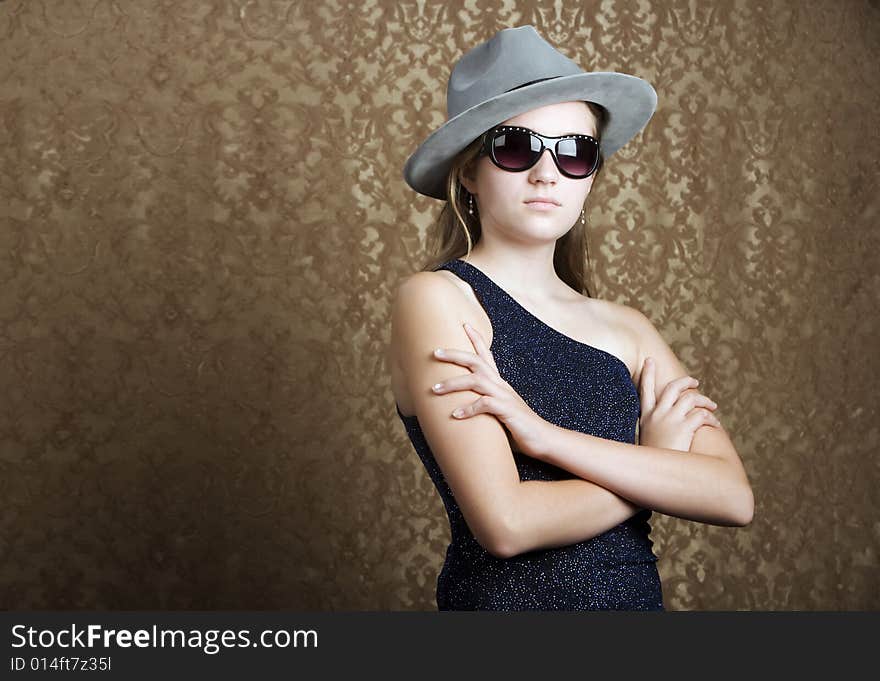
(577, 387)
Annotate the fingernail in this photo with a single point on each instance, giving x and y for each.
(438, 352)
(467, 326)
(458, 412)
(437, 386)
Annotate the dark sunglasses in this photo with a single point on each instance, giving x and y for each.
(515, 149)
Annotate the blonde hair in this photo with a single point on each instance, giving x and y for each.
(455, 231)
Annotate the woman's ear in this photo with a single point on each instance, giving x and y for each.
(468, 181)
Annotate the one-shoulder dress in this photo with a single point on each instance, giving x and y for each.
(578, 387)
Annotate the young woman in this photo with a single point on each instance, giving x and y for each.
(526, 418)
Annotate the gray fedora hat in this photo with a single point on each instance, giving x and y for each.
(513, 72)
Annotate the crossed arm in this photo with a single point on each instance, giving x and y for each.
(508, 516)
(707, 483)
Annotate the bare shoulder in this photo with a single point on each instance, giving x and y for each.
(439, 292)
(643, 330)
(429, 310)
(439, 282)
(652, 344)
(626, 326)
(614, 311)
(416, 292)
(630, 319)
(422, 289)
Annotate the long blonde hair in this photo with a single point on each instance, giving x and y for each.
(455, 231)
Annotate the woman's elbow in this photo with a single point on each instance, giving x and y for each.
(744, 512)
(499, 550)
(503, 549)
(501, 540)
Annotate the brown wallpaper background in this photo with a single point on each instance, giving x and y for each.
(203, 218)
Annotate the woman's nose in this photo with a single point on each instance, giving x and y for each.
(545, 168)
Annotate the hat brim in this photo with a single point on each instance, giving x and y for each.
(630, 102)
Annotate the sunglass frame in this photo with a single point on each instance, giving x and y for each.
(488, 148)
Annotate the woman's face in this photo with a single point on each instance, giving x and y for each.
(502, 196)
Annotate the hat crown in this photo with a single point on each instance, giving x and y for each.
(513, 57)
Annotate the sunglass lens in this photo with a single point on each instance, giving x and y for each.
(577, 156)
(515, 149)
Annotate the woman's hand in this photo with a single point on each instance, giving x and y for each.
(672, 422)
(526, 428)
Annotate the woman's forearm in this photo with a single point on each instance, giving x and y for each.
(690, 485)
(561, 512)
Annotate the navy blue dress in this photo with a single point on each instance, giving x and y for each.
(578, 387)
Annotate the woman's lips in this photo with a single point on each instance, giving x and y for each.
(541, 205)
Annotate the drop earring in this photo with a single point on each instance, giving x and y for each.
(583, 219)
(470, 204)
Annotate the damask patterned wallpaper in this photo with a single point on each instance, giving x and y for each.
(203, 219)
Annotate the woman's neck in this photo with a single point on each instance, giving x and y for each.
(530, 273)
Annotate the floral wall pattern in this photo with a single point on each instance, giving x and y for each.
(203, 220)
